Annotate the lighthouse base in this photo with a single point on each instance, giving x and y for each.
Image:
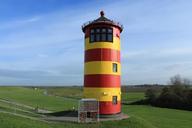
(72, 116)
(110, 115)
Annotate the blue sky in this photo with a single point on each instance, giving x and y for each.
(41, 42)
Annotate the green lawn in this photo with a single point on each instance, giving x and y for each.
(132, 96)
(76, 93)
(9, 121)
(36, 98)
(161, 117)
(140, 116)
(71, 92)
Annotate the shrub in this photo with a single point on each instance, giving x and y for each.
(178, 95)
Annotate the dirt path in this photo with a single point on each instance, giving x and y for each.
(24, 106)
(23, 116)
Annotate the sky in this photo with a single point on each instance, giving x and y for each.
(41, 41)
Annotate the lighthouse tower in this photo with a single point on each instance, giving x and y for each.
(102, 68)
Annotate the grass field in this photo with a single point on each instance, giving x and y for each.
(76, 93)
(70, 92)
(36, 98)
(140, 116)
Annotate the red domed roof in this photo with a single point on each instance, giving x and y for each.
(102, 20)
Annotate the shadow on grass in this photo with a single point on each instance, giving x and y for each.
(68, 113)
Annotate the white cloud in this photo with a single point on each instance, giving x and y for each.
(18, 23)
(42, 55)
(157, 53)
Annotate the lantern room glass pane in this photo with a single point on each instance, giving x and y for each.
(97, 37)
(103, 30)
(97, 30)
(92, 30)
(109, 37)
(109, 30)
(103, 37)
(92, 38)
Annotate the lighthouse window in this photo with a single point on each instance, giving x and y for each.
(115, 68)
(101, 34)
(114, 100)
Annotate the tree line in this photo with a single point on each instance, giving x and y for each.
(177, 95)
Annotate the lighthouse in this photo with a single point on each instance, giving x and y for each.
(102, 66)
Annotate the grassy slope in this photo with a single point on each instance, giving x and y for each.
(35, 98)
(140, 116)
(72, 92)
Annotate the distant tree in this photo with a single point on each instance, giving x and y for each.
(187, 82)
(176, 80)
(150, 94)
(179, 86)
(165, 91)
(177, 95)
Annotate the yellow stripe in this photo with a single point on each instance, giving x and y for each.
(102, 94)
(101, 67)
(112, 45)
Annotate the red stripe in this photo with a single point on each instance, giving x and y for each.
(116, 32)
(100, 80)
(102, 54)
(107, 107)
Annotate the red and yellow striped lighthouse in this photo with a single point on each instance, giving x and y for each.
(102, 68)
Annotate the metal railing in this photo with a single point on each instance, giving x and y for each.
(109, 22)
